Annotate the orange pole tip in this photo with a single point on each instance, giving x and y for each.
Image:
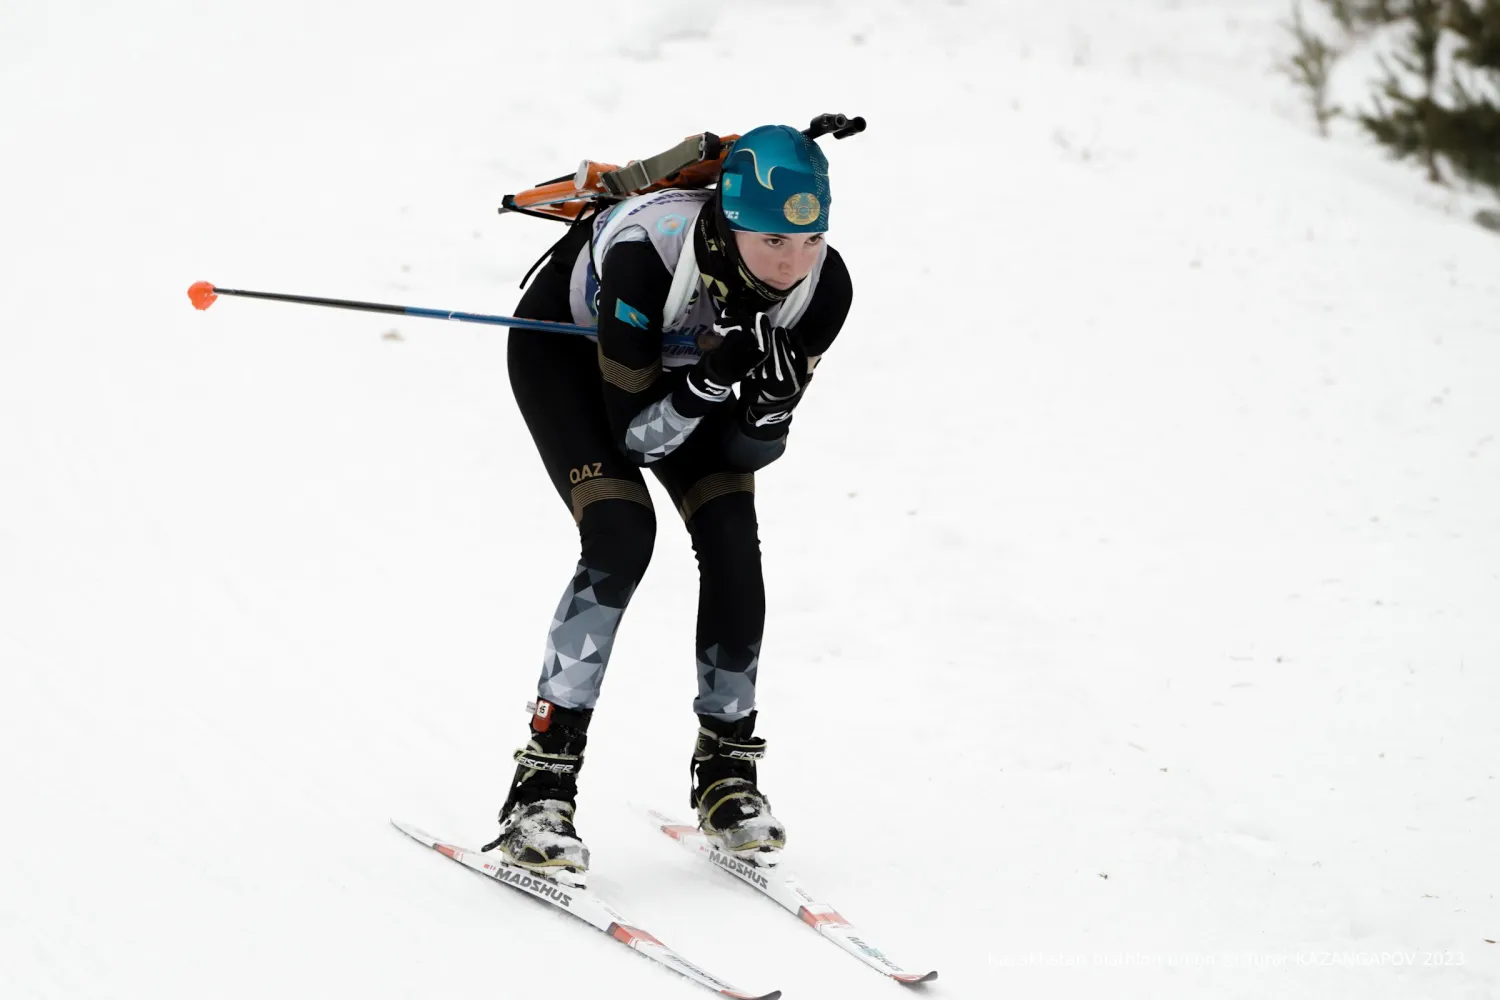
(202, 293)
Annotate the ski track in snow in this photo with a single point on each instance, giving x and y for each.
(1147, 647)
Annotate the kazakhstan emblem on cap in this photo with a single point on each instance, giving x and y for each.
(801, 209)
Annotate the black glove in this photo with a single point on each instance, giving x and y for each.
(775, 387)
(745, 343)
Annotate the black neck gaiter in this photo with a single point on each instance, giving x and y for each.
(725, 275)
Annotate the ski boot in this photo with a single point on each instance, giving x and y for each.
(536, 822)
(731, 809)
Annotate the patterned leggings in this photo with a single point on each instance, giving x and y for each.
(556, 381)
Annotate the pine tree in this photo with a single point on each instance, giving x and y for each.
(1376, 12)
(1472, 130)
(1411, 125)
(1343, 12)
(1309, 67)
(1357, 17)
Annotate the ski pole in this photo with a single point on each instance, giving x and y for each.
(203, 294)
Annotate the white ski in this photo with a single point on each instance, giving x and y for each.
(584, 904)
(784, 887)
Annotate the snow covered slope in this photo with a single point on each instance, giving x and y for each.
(1146, 647)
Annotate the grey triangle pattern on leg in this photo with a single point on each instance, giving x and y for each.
(726, 680)
(579, 642)
(591, 628)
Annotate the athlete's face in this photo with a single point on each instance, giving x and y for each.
(779, 260)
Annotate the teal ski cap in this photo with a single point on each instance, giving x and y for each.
(775, 180)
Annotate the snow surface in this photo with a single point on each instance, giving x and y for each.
(1146, 648)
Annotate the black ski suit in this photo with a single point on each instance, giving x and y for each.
(580, 399)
